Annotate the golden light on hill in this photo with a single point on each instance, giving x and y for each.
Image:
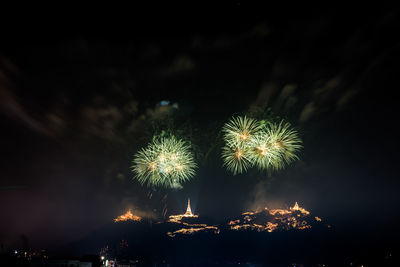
(127, 216)
(271, 220)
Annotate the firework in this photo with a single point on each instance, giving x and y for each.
(238, 131)
(165, 162)
(284, 141)
(261, 152)
(268, 146)
(236, 159)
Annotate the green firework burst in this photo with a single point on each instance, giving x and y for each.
(261, 153)
(266, 145)
(239, 130)
(166, 162)
(236, 159)
(284, 141)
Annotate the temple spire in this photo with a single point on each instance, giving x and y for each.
(188, 210)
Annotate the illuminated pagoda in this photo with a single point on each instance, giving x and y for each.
(188, 212)
(178, 218)
(189, 227)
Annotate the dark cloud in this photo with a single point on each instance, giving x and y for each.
(180, 65)
(9, 102)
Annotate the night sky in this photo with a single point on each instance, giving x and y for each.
(76, 103)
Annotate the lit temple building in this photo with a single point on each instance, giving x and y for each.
(189, 227)
(187, 214)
